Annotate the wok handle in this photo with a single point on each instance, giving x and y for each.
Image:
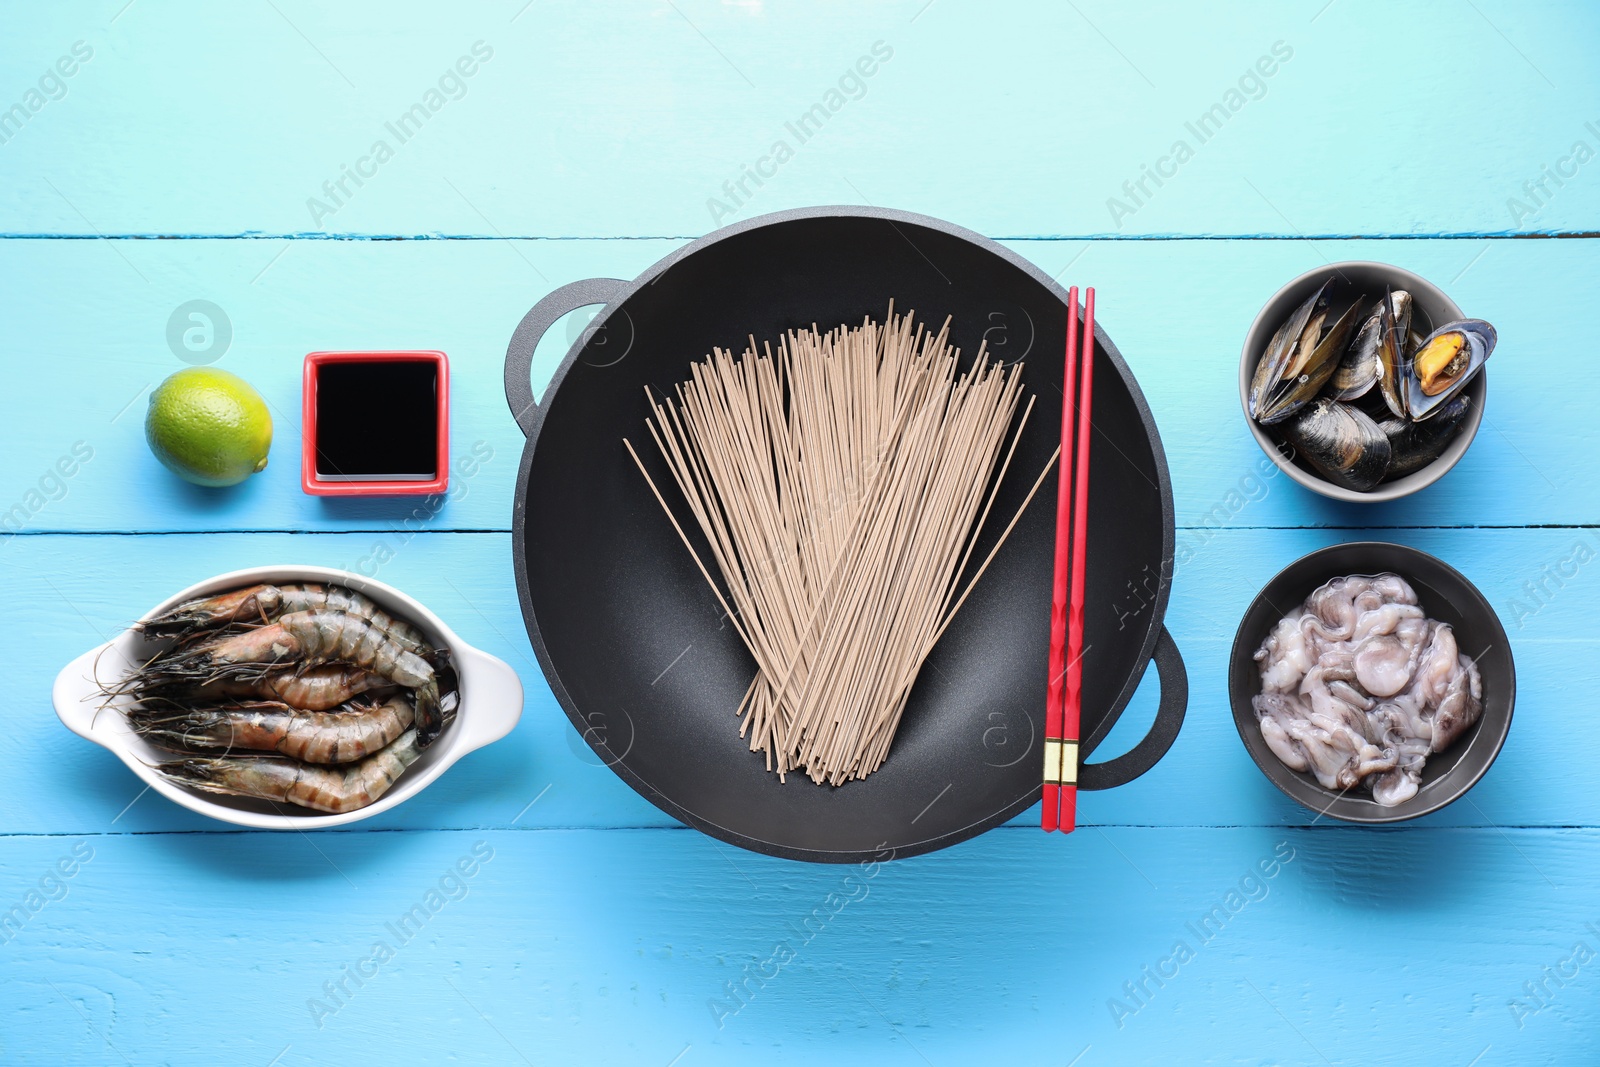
(543, 315)
(1169, 719)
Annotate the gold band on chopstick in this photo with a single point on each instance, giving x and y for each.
(1060, 762)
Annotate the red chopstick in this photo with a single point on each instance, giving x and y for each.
(1072, 707)
(1055, 695)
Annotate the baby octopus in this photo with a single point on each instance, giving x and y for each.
(1359, 687)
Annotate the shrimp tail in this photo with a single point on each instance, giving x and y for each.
(444, 668)
(430, 717)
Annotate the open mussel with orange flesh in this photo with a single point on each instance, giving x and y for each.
(1444, 363)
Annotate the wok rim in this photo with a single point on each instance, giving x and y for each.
(1153, 623)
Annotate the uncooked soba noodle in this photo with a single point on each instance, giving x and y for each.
(841, 482)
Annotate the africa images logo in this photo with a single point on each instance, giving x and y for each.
(1252, 85)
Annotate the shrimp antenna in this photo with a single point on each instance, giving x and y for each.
(94, 720)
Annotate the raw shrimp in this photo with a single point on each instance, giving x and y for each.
(313, 689)
(264, 603)
(278, 778)
(306, 639)
(352, 733)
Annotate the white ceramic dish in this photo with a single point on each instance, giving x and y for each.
(489, 706)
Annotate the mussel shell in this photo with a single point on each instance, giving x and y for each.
(1394, 313)
(1341, 442)
(1266, 387)
(1417, 444)
(1359, 370)
(1373, 404)
(1321, 345)
(1426, 393)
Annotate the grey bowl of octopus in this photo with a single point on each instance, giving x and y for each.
(1372, 682)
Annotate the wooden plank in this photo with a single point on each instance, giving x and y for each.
(1218, 946)
(1177, 310)
(68, 592)
(632, 119)
(552, 914)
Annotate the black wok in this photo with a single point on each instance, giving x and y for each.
(633, 642)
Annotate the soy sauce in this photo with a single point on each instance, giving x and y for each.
(377, 421)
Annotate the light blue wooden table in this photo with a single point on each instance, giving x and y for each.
(201, 152)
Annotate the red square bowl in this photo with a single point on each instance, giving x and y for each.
(319, 485)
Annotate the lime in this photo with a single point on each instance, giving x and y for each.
(208, 426)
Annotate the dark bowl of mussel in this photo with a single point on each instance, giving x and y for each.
(1372, 682)
(1363, 381)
